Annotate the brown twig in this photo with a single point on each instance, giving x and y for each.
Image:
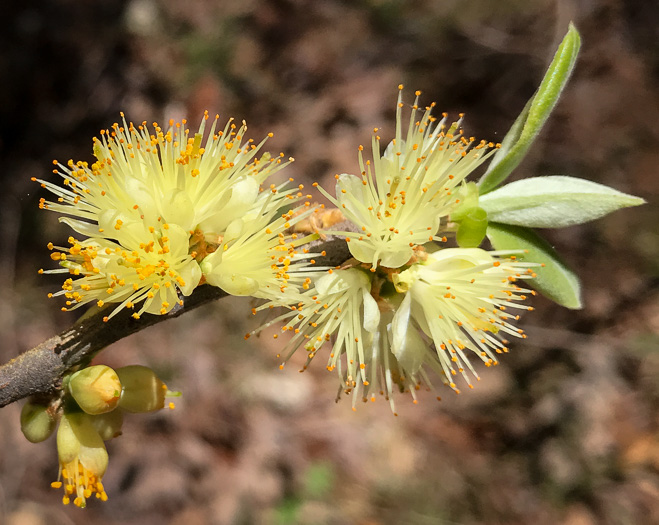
(40, 369)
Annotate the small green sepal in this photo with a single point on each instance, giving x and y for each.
(468, 197)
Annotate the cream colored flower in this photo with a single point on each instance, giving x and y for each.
(460, 299)
(152, 205)
(400, 199)
(386, 331)
(260, 258)
(152, 273)
(338, 308)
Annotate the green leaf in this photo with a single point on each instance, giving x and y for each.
(554, 280)
(529, 123)
(553, 202)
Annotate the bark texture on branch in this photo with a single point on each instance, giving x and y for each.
(39, 370)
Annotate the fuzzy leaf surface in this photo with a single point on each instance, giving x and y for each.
(525, 129)
(553, 202)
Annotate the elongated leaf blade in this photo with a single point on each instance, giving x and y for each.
(553, 202)
(527, 126)
(554, 280)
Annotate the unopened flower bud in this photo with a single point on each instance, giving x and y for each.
(96, 389)
(142, 390)
(109, 424)
(37, 423)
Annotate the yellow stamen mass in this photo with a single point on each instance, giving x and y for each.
(80, 484)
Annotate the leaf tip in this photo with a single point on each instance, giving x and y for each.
(637, 201)
(574, 303)
(573, 32)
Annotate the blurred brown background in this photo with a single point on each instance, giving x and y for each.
(565, 431)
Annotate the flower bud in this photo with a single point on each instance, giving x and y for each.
(37, 423)
(96, 389)
(109, 424)
(142, 390)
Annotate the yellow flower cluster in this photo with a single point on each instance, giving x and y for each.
(161, 212)
(155, 204)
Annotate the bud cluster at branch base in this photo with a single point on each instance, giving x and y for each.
(90, 411)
